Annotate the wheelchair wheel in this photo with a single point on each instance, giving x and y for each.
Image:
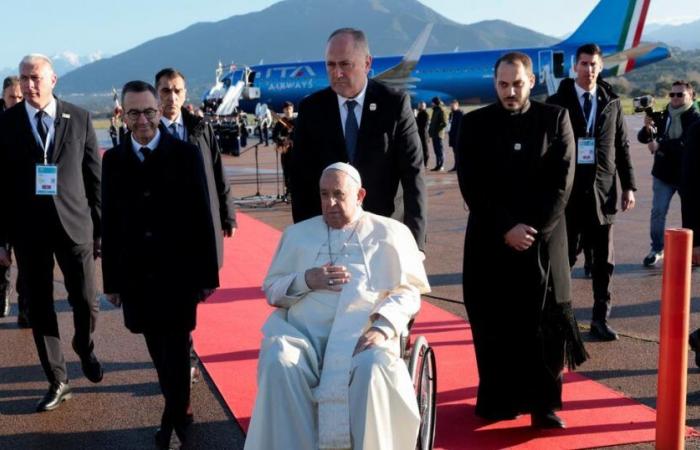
(423, 373)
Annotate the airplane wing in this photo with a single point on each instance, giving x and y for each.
(399, 76)
(631, 53)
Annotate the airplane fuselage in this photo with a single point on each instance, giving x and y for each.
(465, 76)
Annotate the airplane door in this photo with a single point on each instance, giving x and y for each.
(546, 71)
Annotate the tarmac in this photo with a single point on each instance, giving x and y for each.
(123, 410)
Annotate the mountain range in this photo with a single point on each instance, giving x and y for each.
(685, 36)
(293, 30)
(63, 63)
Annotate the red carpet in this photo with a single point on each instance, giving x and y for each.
(228, 337)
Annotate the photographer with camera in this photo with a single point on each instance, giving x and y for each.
(666, 134)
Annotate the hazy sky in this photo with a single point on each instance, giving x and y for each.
(113, 27)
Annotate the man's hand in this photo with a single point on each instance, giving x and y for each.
(520, 237)
(696, 256)
(5, 257)
(97, 248)
(653, 146)
(229, 232)
(649, 124)
(627, 201)
(114, 299)
(331, 278)
(371, 338)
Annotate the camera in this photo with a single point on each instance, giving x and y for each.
(644, 104)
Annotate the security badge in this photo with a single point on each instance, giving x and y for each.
(46, 179)
(586, 151)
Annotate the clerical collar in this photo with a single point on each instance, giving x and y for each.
(522, 110)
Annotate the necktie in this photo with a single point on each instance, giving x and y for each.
(146, 152)
(173, 130)
(351, 130)
(41, 127)
(587, 104)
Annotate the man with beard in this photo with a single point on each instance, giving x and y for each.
(515, 173)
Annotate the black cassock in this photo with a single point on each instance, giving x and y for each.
(518, 168)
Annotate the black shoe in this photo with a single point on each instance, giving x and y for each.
(58, 392)
(602, 331)
(547, 419)
(91, 365)
(588, 270)
(437, 169)
(23, 320)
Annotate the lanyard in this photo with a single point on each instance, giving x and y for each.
(590, 120)
(49, 135)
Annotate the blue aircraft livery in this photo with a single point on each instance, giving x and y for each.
(615, 25)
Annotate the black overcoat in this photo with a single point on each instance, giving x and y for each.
(159, 249)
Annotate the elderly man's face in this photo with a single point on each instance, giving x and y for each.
(340, 198)
(346, 65)
(37, 80)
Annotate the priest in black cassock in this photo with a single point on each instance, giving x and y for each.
(515, 173)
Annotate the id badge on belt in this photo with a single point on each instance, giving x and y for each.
(46, 179)
(586, 151)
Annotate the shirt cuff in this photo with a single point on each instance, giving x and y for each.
(385, 326)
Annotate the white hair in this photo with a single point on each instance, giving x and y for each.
(34, 58)
(347, 169)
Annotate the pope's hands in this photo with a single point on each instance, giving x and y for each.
(328, 277)
(520, 237)
(372, 338)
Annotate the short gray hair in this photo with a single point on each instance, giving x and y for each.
(358, 37)
(33, 58)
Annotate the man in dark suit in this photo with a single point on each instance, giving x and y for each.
(11, 95)
(367, 124)
(602, 150)
(182, 124)
(157, 215)
(422, 119)
(455, 120)
(50, 173)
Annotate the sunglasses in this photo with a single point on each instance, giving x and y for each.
(676, 94)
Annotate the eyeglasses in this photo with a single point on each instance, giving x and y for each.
(676, 94)
(134, 114)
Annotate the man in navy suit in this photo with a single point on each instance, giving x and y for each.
(50, 175)
(364, 123)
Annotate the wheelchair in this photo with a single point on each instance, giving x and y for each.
(420, 361)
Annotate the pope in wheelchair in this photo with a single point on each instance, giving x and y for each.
(345, 286)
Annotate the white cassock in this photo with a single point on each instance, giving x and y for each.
(312, 393)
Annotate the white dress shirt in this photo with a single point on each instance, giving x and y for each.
(594, 104)
(49, 120)
(181, 132)
(153, 144)
(360, 99)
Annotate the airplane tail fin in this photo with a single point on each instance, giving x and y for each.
(616, 23)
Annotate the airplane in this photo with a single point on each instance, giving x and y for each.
(615, 25)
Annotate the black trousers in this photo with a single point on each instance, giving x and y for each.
(424, 144)
(170, 352)
(586, 232)
(35, 260)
